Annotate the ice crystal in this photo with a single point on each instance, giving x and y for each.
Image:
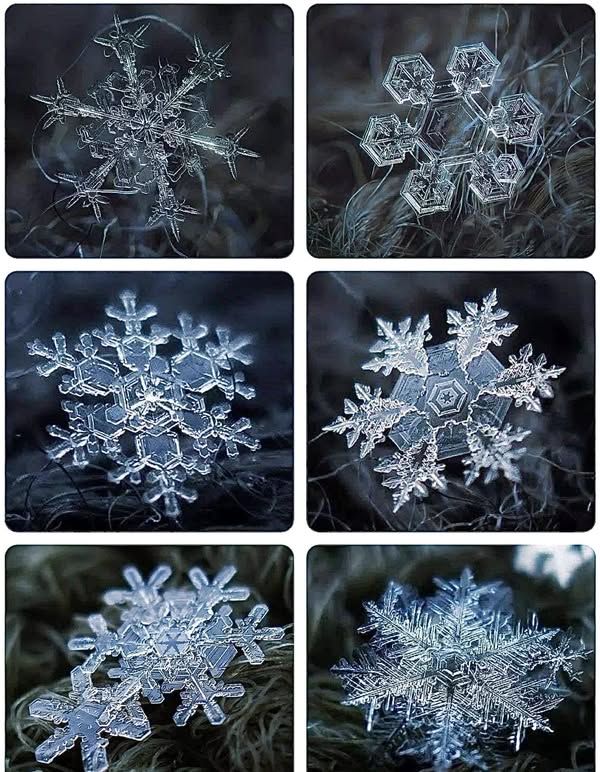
(451, 130)
(450, 400)
(145, 128)
(168, 640)
(160, 420)
(450, 677)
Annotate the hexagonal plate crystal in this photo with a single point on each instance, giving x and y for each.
(447, 381)
(410, 79)
(387, 139)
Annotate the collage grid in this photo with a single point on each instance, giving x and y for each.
(312, 553)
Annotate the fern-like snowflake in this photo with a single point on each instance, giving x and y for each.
(450, 400)
(160, 420)
(451, 130)
(454, 677)
(168, 640)
(144, 128)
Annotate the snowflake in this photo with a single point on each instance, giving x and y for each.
(451, 130)
(154, 420)
(144, 128)
(450, 400)
(449, 678)
(168, 640)
(91, 715)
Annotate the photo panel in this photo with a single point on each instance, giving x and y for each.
(440, 657)
(451, 401)
(146, 401)
(451, 130)
(149, 131)
(149, 657)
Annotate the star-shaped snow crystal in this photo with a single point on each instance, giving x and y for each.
(160, 420)
(450, 400)
(91, 715)
(179, 639)
(145, 128)
(453, 677)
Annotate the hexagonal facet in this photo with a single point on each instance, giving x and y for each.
(447, 398)
(158, 451)
(429, 189)
(136, 352)
(387, 139)
(410, 79)
(107, 422)
(507, 168)
(172, 641)
(149, 402)
(451, 129)
(193, 369)
(196, 424)
(97, 373)
(472, 67)
(516, 118)
(484, 183)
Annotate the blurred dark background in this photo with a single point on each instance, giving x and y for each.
(252, 492)
(547, 50)
(342, 579)
(245, 218)
(50, 590)
(555, 313)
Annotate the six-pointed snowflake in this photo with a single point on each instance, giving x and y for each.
(159, 420)
(145, 128)
(168, 640)
(449, 678)
(450, 400)
(451, 129)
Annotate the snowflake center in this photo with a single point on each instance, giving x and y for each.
(452, 128)
(447, 398)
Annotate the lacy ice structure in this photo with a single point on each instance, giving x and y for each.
(451, 130)
(448, 401)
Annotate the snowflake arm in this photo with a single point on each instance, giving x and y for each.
(234, 435)
(228, 148)
(102, 644)
(230, 349)
(201, 693)
(209, 593)
(91, 716)
(372, 418)
(526, 381)
(410, 472)
(248, 634)
(143, 599)
(479, 329)
(401, 348)
(59, 358)
(492, 451)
